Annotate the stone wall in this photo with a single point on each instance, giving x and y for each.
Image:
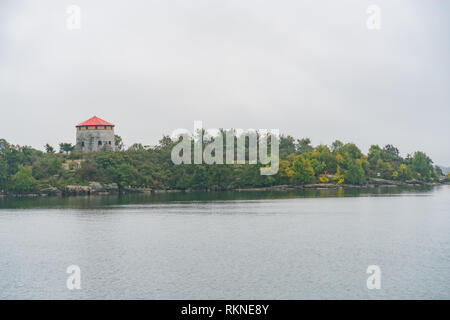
(91, 139)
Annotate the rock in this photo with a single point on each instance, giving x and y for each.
(111, 187)
(320, 185)
(385, 182)
(96, 186)
(77, 190)
(283, 187)
(53, 191)
(137, 190)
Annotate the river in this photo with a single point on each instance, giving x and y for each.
(229, 245)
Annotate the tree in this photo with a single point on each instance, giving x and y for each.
(4, 146)
(88, 171)
(323, 154)
(354, 174)
(46, 167)
(200, 177)
(304, 173)
(23, 181)
(404, 172)
(375, 154)
(438, 172)
(336, 146)
(136, 147)
(49, 148)
(384, 169)
(350, 150)
(422, 165)
(391, 153)
(118, 142)
(165, 141)
(285, 172)
(318, 166)
(66, 147)
(287, 146)
(3, 174)
(304, 145)
(126, 175)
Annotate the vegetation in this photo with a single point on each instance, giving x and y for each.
(24, 169)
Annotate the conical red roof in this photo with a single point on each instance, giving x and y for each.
(95, 121)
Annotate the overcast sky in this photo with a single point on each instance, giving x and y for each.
(309, 68)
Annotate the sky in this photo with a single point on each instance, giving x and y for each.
(308, 68)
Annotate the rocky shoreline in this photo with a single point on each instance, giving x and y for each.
(96, 188)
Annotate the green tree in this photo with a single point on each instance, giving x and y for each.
(384, 169)
(136, 147)
(438, 172)
(200, 177)
(66, 147)
(354, 174)
(375, 154)
(165, 141)
(118, 142)
(404, 172)
(49, 148)
(46, 167)
(304, 145)
(350, 150)
(23, 181)
(318, 166)
(287, 146)
(323, 154)
(422, 165)
(88, 171)
(391, 153)
(303, 171)
(336, 146)
(3, 174)
(126, 175)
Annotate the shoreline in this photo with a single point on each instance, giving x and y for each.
(97, 189)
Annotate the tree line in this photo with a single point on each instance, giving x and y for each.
(25, 169)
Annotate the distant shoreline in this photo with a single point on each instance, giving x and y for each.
(98, 189)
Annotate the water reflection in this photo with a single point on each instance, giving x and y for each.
(86, 202)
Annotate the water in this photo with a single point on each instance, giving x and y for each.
(252, 245)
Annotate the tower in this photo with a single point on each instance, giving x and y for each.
(95, 134)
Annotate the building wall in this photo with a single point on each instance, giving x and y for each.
(91, 139)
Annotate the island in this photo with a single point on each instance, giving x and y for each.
(25, 171)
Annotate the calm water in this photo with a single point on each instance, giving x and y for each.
(299, 245)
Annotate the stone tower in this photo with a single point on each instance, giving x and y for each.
(95, 134)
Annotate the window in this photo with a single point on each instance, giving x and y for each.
(99, 143)
(109, 142)
(82, 143)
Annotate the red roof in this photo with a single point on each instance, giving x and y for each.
(94, 121)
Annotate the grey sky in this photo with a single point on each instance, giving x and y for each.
(309, 68)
